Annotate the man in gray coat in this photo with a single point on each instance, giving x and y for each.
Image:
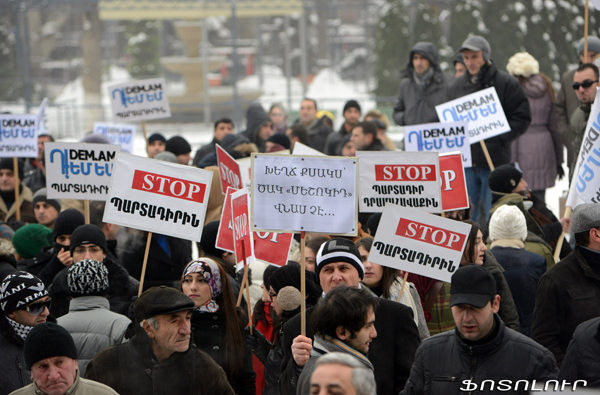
(423, 87)
(91, 323)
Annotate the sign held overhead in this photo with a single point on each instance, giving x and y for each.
(139, 100)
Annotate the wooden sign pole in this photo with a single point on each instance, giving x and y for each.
(246, 282)
(585, 31)
(302, 285)
(17, 184)
(146, 138)
(403, 285)
(487, 155)
(86, 207)
(145, 262)
(559, 243)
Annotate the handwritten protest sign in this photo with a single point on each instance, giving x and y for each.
(225, 232)
(240, 214)
(18, 136)
(312, 194)
(158, 196)
(304, 150)
(139, 100)
(454, 183)
(440, 137)
(481, 109)
(409, 179)
(229, 170)
(420, 243)
(586, 179)
(79, 171)
(120, 134)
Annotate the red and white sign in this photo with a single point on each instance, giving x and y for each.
(454, 184)
(229, 170)
(157, 196)
(225, 232)
(420, 243)
(240, 213)
(272, 247)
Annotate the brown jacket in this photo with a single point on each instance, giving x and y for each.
(27, 215)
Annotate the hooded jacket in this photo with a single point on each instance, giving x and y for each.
(415, 105)
(515, 105)
(256, 116)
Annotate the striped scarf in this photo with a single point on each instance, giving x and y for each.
(325, 344)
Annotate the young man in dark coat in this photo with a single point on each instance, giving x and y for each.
(317, 130)
(480, 349)
(581, 360)
(223, 127)
(391, 352)
(351, 117)
(161, 358)
(481, 74)
(567, 293)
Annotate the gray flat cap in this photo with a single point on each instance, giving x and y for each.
(586, 217)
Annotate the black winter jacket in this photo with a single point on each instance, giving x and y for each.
(12, 362)
(391, 352)
(567, 296)
(581, 361)
(8, 263)
(445, 363)
(515, 105)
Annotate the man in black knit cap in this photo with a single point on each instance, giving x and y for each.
(351, 117)
(181, 148)
(45, 210)
(156, 144)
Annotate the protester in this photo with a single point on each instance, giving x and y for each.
(481, 74)
(236, 145)
(89, 242)
(344, 321)
(386, 282)
(8, 210)
(181, 148)
(423, 86)
(30, 239)
(24, 302)
(317, 130)
(277, 142)
(391, 352)
(523, 269)
(110, 230)
(481, 348)
(364, 137)
(258, 126)
(156, 144)
(45, 210)
(338, 371)
(34, 163)
(382, 126)
(297, 134)
(581, 360)
(8, 263)
(539, 151)
(279, 118)
(459, 65)
(351, 115)
(91, 323)
(567, 293)
(216, 327)
(313, 244)
(160, 358)
(223, 127)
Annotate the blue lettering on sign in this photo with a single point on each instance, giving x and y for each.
(134, 98)
(81, 167)
(435, 144)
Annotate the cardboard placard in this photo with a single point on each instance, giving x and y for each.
(305, 150)
(240, 214)
(229, 170)
(225, 233)
(139, 100)
(440, 137)
(295, 193)
(158, 196)
(420, 243)
(78, 170)
(409, 179)
(482, 110)
(18, 136)
(117, 133)
(586, 179)
(454, 183)
(272, 247)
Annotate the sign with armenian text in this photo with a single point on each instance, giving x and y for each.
(139, 100)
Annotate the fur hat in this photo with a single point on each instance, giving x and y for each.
(508, 222)
(523, 64)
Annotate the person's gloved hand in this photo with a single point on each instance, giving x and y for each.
(560, 172)
(257, 342)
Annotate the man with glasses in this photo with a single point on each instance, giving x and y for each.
(585, 82)
(25, 303)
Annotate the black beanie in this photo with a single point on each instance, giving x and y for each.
(288, 275)
(178, 145)
(156, 137)
(280, 139)
(41, 196)
(66, 222)
(7, 164)
(209, 238)
(351, 104)
(504, 179)
(19, 289)
(339, 250)
(88, 234)
(48, 340)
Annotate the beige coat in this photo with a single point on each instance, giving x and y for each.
(81, 386)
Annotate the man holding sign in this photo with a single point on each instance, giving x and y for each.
(482, 74)
(7, 194)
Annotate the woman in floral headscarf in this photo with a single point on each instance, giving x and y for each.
(216, 326)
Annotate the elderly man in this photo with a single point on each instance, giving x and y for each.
(340, 373)
(160, 359)
(481, 352)
(24, 302)
(391, 352)
(51, 356)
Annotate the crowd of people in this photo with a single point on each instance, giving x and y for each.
(72, 322)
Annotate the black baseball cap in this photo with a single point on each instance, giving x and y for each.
(473, 285)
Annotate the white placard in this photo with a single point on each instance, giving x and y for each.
(419, 243)
(158, 196)
(440, 137)
(120, 134)
(305, 150)
(482, 110)
(41, 120)
(18, 136)
(139, 100)
(313, 194)
(245, 171)
(408, 179)
(586, 178)
(78, 170)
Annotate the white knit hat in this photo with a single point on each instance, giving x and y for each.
(508, 222)
(523, 64)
